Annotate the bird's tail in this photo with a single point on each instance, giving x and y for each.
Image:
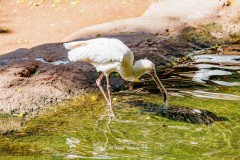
(72, 45)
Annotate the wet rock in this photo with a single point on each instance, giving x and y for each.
(190, 115)
(179, 113)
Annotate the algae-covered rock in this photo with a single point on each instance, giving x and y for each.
(210, 35)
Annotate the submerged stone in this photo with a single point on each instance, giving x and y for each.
(190, 115)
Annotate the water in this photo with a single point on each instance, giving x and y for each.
(215, 65)
(82, 129)
(54, 63)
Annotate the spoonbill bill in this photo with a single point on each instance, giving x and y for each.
(111, 55)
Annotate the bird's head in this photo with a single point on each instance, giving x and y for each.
(145, 65)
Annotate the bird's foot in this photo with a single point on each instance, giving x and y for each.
(111, 113)
(165, 108)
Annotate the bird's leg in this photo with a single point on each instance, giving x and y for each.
(109, 95)
(101, 88)
(161, 88)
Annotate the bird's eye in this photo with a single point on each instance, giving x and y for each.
(151, 72)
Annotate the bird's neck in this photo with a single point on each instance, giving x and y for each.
(133, 72)
(137, 71)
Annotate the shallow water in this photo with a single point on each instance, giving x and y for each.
(82, 129)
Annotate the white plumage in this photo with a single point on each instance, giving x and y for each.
(100, 50)
(111, 55)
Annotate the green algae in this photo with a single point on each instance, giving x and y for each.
(136, 134)
(202, 36)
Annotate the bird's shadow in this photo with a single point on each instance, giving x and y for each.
(178, 113)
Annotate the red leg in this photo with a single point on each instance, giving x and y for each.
(101, 88)
(109, 95)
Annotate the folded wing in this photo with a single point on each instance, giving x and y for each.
(101, 50)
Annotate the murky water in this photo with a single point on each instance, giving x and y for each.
(82, 129)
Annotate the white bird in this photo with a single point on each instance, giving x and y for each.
(111, 55)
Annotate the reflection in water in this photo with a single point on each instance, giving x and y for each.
(101, 148)
(215, 65)
(227, 83)
(72, 142)
(205, 66)
(204, 74)
(216, 58)
(204, 94)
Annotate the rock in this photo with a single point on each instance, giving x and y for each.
(22, 85)
(180, 113)
(190, 115)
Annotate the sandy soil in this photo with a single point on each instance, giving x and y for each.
(171, 15)
(34, 23)
(36, 30)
